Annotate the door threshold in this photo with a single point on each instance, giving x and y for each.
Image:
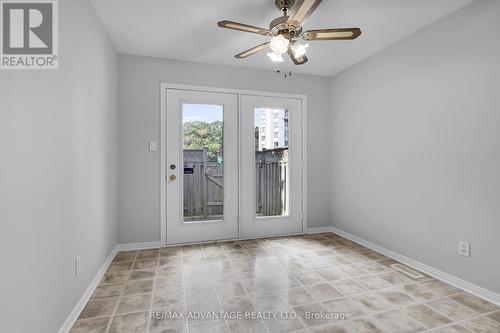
(234, 239)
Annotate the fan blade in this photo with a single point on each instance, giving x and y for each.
(297, 60)
(302, 10)
(251, 51)
(332, 34)
(243, 27)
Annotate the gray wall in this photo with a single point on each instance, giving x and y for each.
(139, 121)
(415, 145)
(57, 175)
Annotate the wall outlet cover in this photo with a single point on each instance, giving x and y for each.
(78, 265)
(464, 248)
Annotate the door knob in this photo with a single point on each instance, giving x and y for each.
(172, 177)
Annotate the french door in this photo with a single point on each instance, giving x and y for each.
(202, 166)
(271, 166)
(233, 166)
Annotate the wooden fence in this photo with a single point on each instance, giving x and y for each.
(271, 182)
(204, 184)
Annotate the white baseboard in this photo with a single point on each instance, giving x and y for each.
(318, 230)
(434, 272)
(138, 246)
(73, 316)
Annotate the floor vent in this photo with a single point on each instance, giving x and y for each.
(408, 271)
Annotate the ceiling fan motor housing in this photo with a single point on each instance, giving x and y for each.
(279, 26)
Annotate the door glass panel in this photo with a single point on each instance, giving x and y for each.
(271, 162)
(203, 161)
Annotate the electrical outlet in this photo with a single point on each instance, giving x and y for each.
(78, 265)
(464, 249)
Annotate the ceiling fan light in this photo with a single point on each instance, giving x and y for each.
(279, 44)
(276, 57)
(299, 49)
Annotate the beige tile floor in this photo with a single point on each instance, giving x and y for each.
(330, 283)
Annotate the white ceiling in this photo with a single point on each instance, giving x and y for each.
(187, 29)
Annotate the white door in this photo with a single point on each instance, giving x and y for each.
(271, 166)
(202, 166)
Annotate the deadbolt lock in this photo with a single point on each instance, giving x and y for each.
(172, 166)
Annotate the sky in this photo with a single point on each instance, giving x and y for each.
(202, 112)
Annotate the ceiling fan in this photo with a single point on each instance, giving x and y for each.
(286, 32)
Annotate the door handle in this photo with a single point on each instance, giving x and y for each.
(172, 177)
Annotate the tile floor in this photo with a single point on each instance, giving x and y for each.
(330, 283)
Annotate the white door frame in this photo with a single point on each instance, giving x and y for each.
(163, 140)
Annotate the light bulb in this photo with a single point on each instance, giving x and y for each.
(279, 44)
(276, 57)
(299, 49)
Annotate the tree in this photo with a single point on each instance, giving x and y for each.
(200, 134)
